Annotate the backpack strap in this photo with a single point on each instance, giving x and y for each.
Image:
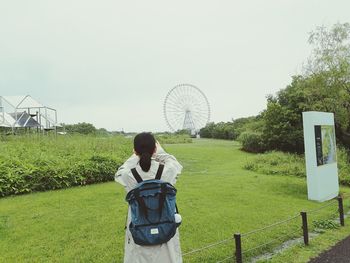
(142, 206)
(162, 197)
(160, 171)
(177, 210)
(136, 175)
(163, 190)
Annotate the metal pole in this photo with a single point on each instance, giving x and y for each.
(40, 121)
(46, 122)
(56, 122)
(341, 210)
(2, 111)
(238, 252)
(305, 228)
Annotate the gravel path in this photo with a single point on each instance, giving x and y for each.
(340, 253)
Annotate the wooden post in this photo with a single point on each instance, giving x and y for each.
(305, 228)
(238, 252)
(341, 210)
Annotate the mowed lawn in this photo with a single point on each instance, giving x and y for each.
(216, 198)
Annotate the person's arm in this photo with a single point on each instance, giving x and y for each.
(121, 174)
(172, 167)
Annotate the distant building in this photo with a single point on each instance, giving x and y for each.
(26, 112)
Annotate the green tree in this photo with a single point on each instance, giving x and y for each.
(82, 128)
(103, 132)
(183, 132)
(331, 52)
(207, 131)
(324, 86)
(248, 124)
(331, 59)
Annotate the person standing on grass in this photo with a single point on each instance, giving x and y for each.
(147, 158)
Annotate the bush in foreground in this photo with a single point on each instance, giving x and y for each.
(35, 163)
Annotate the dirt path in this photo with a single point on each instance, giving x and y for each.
(340, 253)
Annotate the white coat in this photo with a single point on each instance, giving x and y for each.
(169, 252)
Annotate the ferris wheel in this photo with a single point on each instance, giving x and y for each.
(186, 108)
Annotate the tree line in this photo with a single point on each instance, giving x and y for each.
(324, 85)
(85, 128)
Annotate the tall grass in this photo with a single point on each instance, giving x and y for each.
(38, 163)
(34, 162)
(281, 163)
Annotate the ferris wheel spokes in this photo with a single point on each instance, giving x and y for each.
(186, 107)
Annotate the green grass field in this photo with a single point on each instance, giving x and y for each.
(216, 198)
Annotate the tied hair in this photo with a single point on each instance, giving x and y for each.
(145, 161)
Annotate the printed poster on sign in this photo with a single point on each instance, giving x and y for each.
(325, 144)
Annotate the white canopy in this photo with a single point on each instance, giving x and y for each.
(24, 111)
(22, 102)
(6, 120)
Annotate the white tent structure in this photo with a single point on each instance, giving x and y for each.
(26, 112)
(6, 120)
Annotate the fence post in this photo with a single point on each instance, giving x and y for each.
(341, 210)
(238, 252)
(305, 228)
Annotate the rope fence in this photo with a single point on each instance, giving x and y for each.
(279, 238)
(322, 207)
(270, 226)
(225, 259)
(207, 247)
(301, 231)
(239, 253)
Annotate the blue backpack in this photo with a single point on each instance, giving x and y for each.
(153, 208)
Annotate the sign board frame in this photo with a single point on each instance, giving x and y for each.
(320, 155)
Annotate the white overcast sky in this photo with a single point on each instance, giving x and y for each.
(111, 63)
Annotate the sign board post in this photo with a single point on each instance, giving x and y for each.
(320, 155)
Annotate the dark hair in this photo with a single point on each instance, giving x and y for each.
(144, 146)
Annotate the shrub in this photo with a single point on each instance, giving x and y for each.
(232, 129)
(82, 128)
(32, 163)
(343, 166)
(276, 162)
(323, 224)
(173, 138)
(252, 142)
(36, 163)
